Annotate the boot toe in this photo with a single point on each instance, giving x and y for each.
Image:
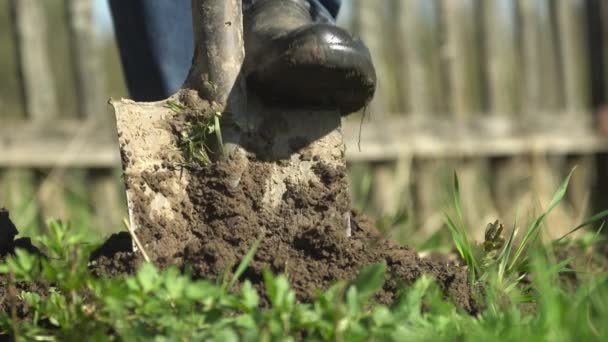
(319, 65)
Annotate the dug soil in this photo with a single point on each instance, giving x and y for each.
(219, 223)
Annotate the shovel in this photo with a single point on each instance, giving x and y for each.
(168, 148)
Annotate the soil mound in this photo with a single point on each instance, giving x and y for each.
(304, 237)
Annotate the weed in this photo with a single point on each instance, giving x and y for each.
(502, 266)
(193, 139)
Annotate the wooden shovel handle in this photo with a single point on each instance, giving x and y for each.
(218, 48)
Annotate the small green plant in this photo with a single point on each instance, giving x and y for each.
(459, 234)
(193, 138)
(506, 264)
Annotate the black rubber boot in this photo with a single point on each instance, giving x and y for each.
(297, 57)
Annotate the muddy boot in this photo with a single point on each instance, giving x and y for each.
(296, 56)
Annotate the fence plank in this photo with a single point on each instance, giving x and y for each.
(543, 92)
(575, 64)
(531, 63)
(108, 210)
(38, 91)
(463, 73)
(501, 75)
(500, 51)
(458, 55)
(420, 79)
(598, 11)
(415, 76)
(552, 76)
(371, 26)
(89, 78)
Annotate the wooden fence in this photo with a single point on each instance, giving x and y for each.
(502, 91)
(499, 90)
(48, 152)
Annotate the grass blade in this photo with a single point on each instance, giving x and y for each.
(245, 263)
(592, 220)
(456, 236)
(506, 252)
(599, 231)
(463, 245)
(459, 233)
(457, 204)
(533, 230)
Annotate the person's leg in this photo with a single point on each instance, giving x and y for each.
(155, 40)
(332, 6)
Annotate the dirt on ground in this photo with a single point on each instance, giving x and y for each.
(219, 223)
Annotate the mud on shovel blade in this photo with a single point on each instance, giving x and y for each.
(147, 137)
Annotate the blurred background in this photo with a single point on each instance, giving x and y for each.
(510, 94)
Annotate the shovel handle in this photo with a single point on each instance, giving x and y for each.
(218, 48)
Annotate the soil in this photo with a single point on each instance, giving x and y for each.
(219, 223)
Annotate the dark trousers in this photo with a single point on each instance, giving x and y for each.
(156, 43)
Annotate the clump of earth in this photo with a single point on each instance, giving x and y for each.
(218, 224)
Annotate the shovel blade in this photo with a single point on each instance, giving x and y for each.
(147, 147)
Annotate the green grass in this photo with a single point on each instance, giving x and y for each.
(520, 284)
(194, 139)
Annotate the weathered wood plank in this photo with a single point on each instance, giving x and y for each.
(420, 77)
(500, 50)
(543, 92)
(371, 26)
(503, 99)
(552, 76)
(463, 69)
(38, 89)
(456, 45)
(574, 52)
(414, 73)
(89, 79)
(598, 11)
(575, 65)
(29, 28)
(87, 69)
